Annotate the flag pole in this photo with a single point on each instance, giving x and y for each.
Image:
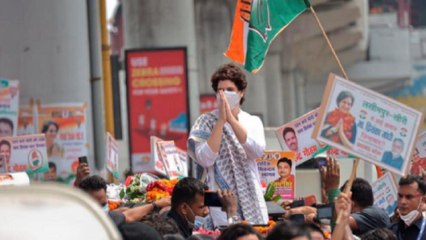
(329, 43)
(356, 162)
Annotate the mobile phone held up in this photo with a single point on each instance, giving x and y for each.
(82, 159)
(211, 199)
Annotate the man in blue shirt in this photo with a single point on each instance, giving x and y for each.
(411, 194)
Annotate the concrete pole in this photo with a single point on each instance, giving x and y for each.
(96, 82)
(164, 23)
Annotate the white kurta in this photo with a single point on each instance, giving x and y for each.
(254, 148)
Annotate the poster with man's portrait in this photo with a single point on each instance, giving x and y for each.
(367, 124)
(296, 136)
(277, 168)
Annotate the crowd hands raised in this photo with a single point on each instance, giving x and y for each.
(354, 216)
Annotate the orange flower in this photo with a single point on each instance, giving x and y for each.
(112, 205)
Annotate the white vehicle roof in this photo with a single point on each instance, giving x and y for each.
(52, 211)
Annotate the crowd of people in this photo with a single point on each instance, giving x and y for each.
(224, 145)
(355, 217)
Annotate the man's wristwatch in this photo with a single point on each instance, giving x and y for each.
(234, 219)
(156, 207)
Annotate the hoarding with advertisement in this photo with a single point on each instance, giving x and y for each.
(157, 99)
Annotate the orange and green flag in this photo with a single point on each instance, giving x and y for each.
(256, 24)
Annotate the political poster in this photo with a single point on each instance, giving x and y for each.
(385, 193)
(64, 125)
(367, 124)
(157, 99)
(112, 155)
(9, 107)
(27, 120)
(170, 158)
(418, 161)
(296, 136)
(151, 164)
(24, 154)
(277, 168)
(183, 156)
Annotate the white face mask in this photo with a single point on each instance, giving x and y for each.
(233, 98)
(199, 222)
(411, 216)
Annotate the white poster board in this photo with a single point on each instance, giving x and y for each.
(367, 124)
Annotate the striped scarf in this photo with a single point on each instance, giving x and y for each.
(230, 169)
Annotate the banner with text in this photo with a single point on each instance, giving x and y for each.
(24, 154)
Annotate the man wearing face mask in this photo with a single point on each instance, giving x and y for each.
(225, 143)
(411, 223)
(188, 210)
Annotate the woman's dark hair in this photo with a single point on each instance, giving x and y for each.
(287, 231)
(238, 230)
(232, 73)
(47, 124)
(344, 94)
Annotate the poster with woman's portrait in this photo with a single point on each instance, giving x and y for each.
(418, 160)
(64, 125)
(23, 154)
(367, 124)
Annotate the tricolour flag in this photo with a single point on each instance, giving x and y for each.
(256, 24)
